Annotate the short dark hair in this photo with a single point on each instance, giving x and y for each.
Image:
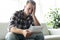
(31, 1)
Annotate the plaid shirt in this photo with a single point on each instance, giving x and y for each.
(21, 21)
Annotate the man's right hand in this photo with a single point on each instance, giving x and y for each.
(27, 33)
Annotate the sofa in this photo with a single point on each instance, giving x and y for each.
(49, 34)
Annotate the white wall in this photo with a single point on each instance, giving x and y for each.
(8, 7)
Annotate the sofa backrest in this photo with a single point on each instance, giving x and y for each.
(3, 30)
(44, 29)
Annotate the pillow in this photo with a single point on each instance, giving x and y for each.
(54, 31)
(44, 29)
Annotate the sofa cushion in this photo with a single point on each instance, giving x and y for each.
(52, 37)
(54, 31)
(44, 29)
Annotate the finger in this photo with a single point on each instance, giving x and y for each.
(34, 7)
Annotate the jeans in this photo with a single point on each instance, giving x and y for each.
(13, 36)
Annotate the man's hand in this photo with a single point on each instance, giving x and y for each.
(27, 33)
(33, 12)
(36, 22)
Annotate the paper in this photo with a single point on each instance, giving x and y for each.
(35, 28)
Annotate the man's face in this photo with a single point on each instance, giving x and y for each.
(29, 8)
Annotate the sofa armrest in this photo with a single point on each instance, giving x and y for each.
(54, 31)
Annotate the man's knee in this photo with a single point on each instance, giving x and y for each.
(10, 36)
(40, 37)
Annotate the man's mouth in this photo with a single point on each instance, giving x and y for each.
(30, 13)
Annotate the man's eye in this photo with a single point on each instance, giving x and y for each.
(32, 9)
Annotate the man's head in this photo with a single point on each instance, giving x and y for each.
(28, 9)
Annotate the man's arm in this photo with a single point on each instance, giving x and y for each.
(36, 23)
(16, 30)
(26, 32)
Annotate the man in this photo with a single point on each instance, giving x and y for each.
(21, 21)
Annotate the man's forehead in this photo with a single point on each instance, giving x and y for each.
(30, 5)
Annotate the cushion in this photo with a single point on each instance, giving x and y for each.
(44, 29)
(52, 37)
(54, 31)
